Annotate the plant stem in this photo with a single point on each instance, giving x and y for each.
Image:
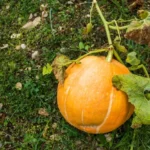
(133, 139)
(104, 22)
(120, 28)
(91, 10)
(111, 48)
(91, 52)
(141, 67)
(117, 57)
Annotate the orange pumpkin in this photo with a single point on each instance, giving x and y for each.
(87, 98)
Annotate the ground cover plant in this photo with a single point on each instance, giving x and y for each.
(32, 33)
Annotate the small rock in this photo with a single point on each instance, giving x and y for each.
(23, 46)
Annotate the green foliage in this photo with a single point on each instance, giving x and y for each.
(136, 87)
(47, 69)
(132, 60)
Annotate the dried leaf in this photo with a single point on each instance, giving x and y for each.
(45, 130)
(35, 54)
(54, 125)
(55, 137)
(4, 46)
(43, 112)
(18, 85)
(1, 105)
(133, 4)
(139, 31)
(59, 65)
(32, 24)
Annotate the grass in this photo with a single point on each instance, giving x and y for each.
(21, 126)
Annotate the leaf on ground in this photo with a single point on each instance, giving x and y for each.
(43, 112)
(136, 88)
(18, 86)
(47, 69)
(32, 24)
(139, 30)
(59, 65)
(132, 59)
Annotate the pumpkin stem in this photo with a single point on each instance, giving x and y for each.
(91, 52)
(106, 26)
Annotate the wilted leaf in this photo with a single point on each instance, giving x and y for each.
(55, 137)
(88, 28)
(32, 24)
(139, 31)
(47, 69)
(59, 65)
(4, 46)
(118, 46)
(43, 112)
(135, 4)
(136, 87)
(143, 14)
(132, 60)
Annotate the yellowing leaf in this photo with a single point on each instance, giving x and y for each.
(137, 88)
(47, 69)
(88, 28)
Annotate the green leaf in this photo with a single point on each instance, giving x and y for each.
(87, 47)
(136, 87)
(81, 45)
(132, 60)
(59, 65)
(47, 69)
